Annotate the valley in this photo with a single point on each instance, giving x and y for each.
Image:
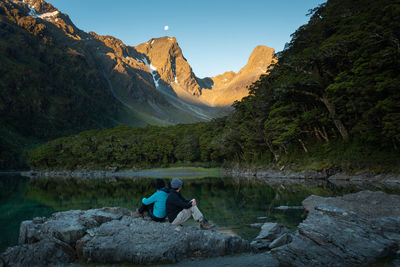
(58, 80)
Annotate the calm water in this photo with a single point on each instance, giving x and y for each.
(230, 203)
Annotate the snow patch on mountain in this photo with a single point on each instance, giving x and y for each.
(152, 70)
(32, 12)
(49, 14)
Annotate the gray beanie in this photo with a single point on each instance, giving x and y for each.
(176, 183)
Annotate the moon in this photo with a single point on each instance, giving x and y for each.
(166, 27)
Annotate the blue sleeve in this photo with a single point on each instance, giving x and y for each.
(151, 199)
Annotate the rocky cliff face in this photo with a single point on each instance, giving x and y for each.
(232, 86)
(172, 72)
(165, 59)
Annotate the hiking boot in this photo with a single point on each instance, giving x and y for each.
(205, 225)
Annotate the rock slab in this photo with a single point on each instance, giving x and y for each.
(365, 203)
(271, 235)
(345, 231)
(139, 241)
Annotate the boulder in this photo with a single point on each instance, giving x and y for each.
(111, 235)
(46, 252)
(140, 241)
(280, 241)
(365, 203)
(68, 226)
(345, 231)
(271, 233)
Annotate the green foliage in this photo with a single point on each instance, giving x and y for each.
(127, 147)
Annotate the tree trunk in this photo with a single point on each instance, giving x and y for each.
(317, 133)
(321, 133)
(338, 123)
(325, 135)
(276, 156)
(303, 145)
(332, 111)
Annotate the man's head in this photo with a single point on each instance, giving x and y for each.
(176, 184)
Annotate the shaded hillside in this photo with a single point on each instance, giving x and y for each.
(48, 87)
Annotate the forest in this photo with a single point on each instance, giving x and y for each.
(330, 102)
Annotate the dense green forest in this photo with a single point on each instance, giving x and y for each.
(331, 101)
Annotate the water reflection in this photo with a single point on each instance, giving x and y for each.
(232, 204)
(15, 207)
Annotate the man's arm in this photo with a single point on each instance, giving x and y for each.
(182, 203)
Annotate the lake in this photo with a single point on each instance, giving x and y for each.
(234, 205)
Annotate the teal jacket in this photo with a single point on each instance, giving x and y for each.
(159, 199)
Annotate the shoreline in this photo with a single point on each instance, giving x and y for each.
(272, 176)
(183, 172)
(359, 179)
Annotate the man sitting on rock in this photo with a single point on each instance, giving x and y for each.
(155, 205)
(180, 210)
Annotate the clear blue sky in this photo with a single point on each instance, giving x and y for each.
(215, 36)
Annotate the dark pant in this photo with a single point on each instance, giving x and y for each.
(149, 209)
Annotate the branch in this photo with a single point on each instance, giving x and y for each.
(317, 97)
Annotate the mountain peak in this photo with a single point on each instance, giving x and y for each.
(43, 11)
(231, 86)
(259, 59)
(40, 6)
(165, 45)
(166, 56)
(164, 39)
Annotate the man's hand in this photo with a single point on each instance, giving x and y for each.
(193, 201)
